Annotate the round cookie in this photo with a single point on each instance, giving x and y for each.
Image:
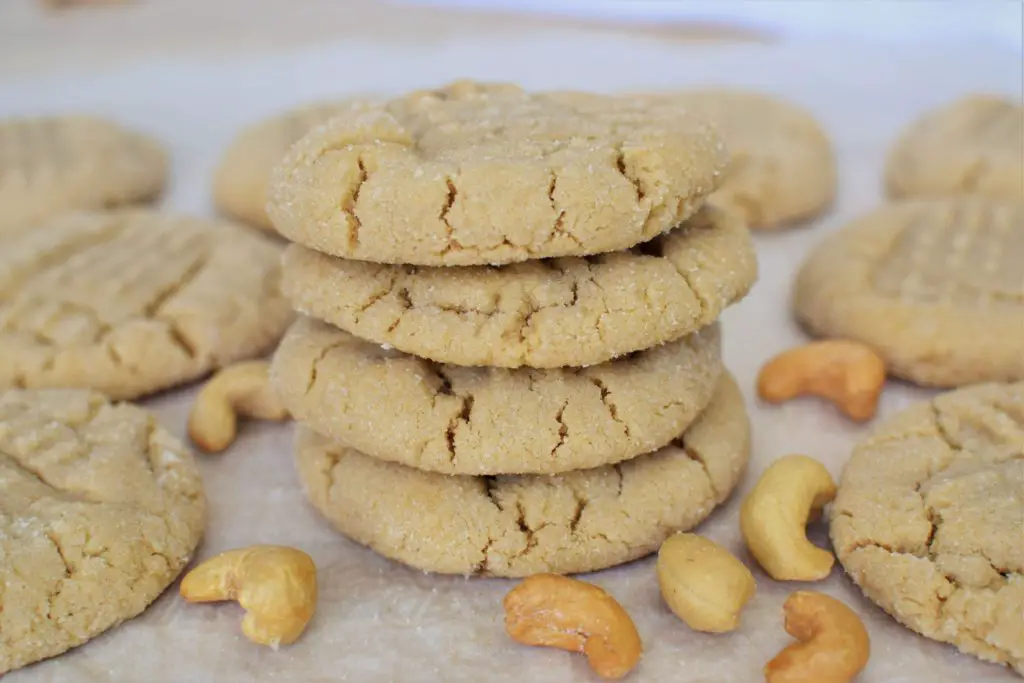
(53, 164)
(520, 525)
(458, 420)
(929, 520)
(974, 145)
(934, 286)
(552, 313)
(100, 510)
(783, 168)
(241, 178)
(133, 301)
(487, 174)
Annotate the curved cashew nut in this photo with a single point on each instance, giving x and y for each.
(557, 611)
(276, 586)
(834, 645)
(242, 389)
(703, 583)
(775, 513)
(847, 373)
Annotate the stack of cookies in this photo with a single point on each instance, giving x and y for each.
(508, 359)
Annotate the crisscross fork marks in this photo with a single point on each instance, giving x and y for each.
(971, 258)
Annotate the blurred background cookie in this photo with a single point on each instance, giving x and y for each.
(783, 168)
(240, 179)
(934, 286)
(53, 164)
(134, 301)
(974, 145)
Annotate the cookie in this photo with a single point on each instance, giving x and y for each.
(240, 179)
(458, 420)
(783, 168)
(974, 145)
(520, 525)
(934, 286)
(571, 311)
(133, 301)
(929, 520)
(488, 174)
(53, 164)
(100, 510)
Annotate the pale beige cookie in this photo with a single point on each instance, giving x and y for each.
(520, 525)
(475, 174)
(240, 179)
(459, 420)
(570, 311)
(783, 168)
(133, 301)
(53, 164)
(100, 510)
(974, 145)
(934, 286)
(929, 520)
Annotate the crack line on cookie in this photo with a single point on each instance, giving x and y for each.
(563, 429)
(606, 399)
(314, 367)
(357, 312)
(349, 207)
(693, 454)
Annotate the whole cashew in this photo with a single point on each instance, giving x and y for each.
(276, 586)
(847, 373)
(558, 611)
(775, 513)
(703, 583)
(242, 389)
(834, 645)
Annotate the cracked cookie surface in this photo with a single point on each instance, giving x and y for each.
(520, 525)
(487, 174)
(783, 167)
(458, 420)
(241, 178)
(934, 286)
(53, 164)
(133, 301)
(929, 520)
(571, 311)
(973, 145)
(100, 510)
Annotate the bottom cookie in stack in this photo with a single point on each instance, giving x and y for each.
(517, 525)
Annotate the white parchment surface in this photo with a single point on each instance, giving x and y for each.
(378, 621)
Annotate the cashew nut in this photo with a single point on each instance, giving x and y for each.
(847, 373)
(558, 611)
(276, 586)
(703, 583)
(242, 389)
(775, 513)
(833, 648)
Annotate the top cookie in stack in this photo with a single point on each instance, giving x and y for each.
(485, 174)
(508, 283)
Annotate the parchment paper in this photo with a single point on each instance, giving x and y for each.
(378, 621)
